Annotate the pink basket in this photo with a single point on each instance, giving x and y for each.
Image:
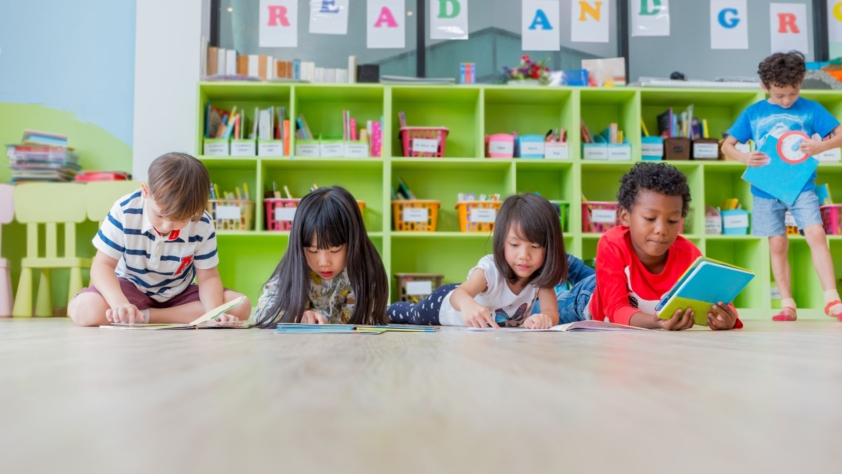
(595, 216)
(499, 144)
(410, 134)
(830, 219)
(279, 213)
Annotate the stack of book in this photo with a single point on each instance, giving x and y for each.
(42, 157)
(227, 64)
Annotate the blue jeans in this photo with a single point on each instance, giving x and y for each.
(573, 302)
(768, 214)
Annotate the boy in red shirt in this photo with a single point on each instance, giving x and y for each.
(639, 261)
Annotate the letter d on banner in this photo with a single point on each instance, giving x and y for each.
(450, 20)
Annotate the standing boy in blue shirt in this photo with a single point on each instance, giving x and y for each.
(782, 75)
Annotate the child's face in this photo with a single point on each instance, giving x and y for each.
(326, 262)
(524, 257)
(161, 224)
(782, 96)
(653, 223)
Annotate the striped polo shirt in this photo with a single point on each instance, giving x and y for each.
(160, 266)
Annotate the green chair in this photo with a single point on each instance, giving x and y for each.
(48, 205)
(101, 196)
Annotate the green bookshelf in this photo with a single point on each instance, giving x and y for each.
(470, 112)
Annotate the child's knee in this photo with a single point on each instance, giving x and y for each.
(779, 244)
(87, 309)
(243, 311)
(815, 234)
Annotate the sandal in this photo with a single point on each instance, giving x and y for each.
(784, 316)
(831, 305)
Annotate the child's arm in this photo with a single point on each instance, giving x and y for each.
(104, 279)
(815, 147)
(474, 314)
(210, 287)
(755, 158)
(548, 317)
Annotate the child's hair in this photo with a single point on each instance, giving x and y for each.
(657, 177)
(332, 216)
(534, 219)
(180, 185)
(783, 69)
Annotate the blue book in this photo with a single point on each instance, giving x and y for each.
(782, 179)
(704, 284)
(296, 69)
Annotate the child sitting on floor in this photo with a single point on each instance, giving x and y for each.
(640, 261)
(528, 261)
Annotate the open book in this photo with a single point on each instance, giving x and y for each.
(347, 329)
(578, 326)
(704, 284)
(205, 321)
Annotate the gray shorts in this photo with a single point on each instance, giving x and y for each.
(768, 214)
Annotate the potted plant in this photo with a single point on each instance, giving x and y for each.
(527, 73)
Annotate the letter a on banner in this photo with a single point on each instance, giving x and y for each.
(386, 26)
(540, 25)
(589, 21)
(728, 24)
(278, 24)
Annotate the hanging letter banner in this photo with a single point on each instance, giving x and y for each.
(278, 24)
(788, 22)
(540, 26)
(834, 21)
(589, 21)
(386, 24)
(650, 17)
(449, 19)
(728, 24)
(329, 17)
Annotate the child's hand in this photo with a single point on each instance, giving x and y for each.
(538, 321)
(124, 313)
(756, 158)
(811, 147)
(721, 316)
(679, 321)
(478, 316)
(313, 317)
(227, 319)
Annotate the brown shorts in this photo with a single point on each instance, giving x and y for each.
(141, 301)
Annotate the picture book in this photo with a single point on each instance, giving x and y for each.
(704, 284)
(784, 176)
(578, 326)
(292, 328)
(205, 321)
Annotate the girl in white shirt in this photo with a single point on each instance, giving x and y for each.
(528, 261)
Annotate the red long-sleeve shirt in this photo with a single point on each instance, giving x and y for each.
(623, 284)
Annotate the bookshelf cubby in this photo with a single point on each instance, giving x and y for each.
(470, 112)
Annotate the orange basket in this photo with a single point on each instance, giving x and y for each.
(415, 215)
(232, 214)
(477, 216)
(280, 212)
(414, 287)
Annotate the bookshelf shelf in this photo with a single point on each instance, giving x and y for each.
(471, 112)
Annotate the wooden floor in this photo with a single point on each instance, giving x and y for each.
(765, 399)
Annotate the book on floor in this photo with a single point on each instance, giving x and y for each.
(293, 328)
(703, 285)
(205, 321)
(577, 326)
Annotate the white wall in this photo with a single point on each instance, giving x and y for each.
(167, 68)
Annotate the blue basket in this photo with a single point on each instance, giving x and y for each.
(531, 146)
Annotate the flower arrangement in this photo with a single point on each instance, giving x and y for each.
(527, 71)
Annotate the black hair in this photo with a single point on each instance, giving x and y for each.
(657, 177)
(783, 69)
(535, 220)
(332, 216)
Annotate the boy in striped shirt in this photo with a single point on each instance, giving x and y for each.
(151, 246)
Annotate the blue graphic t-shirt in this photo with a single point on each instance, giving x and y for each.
(761, 120)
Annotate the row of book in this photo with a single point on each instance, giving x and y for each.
(227, 63)
(685, 124)
(611, 135)
(42, 157)
(372, 133)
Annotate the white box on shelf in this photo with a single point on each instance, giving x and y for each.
(270, 148)
(307, 150)
(243, 148)
(356, 150)
(217, 148)
(556, 151)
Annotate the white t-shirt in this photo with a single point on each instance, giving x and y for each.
(509, 309)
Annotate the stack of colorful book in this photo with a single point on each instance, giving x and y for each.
(42, 157)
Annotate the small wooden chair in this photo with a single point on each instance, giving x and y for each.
(100, 196)
(7, 211)
(49, 204)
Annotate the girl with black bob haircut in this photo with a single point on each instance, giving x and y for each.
(331, 272)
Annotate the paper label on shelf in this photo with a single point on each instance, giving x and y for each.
(419, 287)
(619, 153)
(243, 149)
(532, 148)
(604, 216)
(216, 149)
(789, 219)
(332, 150)
(228, 212)
(307, 150)
(736, 221)
(597, 152)
(425, 145)
(356, 150)
(482, 215)
(285, 213)
(271, 149)
(706, 150)
(504, 148)
(414, 214)
(652, 149)
(556, 151)
(713, 225)
(830, 156)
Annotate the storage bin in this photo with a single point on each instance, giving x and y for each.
(531, 146)
(232, 214)
(243, 148)
(677, 148)
(500, 145)
(599, 216)
(281, 212)
(831, 219)
(413, 287)
(216, 147)
(477, 216)
(735, 222)
(424, 141)
(307, 148)
(415, 215)
(652, 148)
(556, 151)
(705, 149)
